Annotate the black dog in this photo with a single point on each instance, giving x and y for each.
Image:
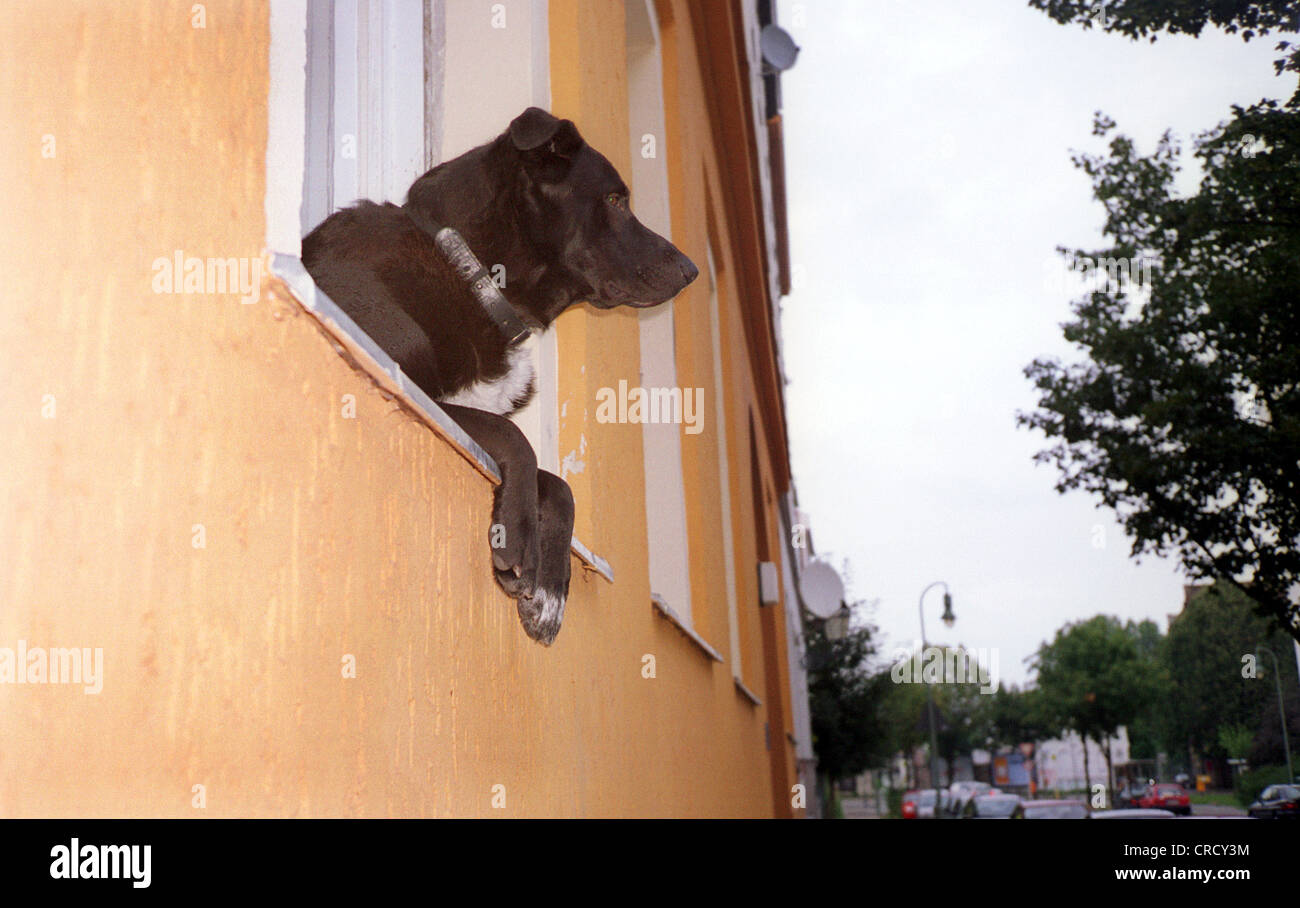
(553, 213)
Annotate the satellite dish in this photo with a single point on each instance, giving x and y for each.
(779, 49)
(823, 591)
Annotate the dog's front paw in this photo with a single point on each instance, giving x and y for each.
(514, 543)
(541, 614)
(514, 579)
(541, 611)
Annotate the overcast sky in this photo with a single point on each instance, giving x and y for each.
(929, 181)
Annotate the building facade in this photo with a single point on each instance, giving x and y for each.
(268, 546)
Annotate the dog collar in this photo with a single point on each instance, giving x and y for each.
(458, 254)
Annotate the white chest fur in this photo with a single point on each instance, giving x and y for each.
(500, 395)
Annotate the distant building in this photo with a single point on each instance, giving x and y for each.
(1060, 761)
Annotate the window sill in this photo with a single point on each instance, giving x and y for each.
(746, 692)
(665, 611)
(356, 346)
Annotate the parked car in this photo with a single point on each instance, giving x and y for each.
(968, 789)
(964, 791)
(1054, 810)
(1167, 796)
(918, 804)
(1134, 813)
(993, 807)
(1277, 802)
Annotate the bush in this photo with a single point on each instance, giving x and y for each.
(894, 804)
(1250, 783)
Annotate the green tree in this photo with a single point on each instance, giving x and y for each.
(1148, 18)
(1093, 680)
(1149, 728)
(1210, 652)
(903, 713)
(955, 680)
(846, 702)
(1185, 417)
(1013, 716)
(1236, 740)
(1146, 636)
(1005, 718)
(959, 698)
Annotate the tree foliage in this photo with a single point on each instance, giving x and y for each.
(1092, 678)
(1149, 18)
(960, 688)
(1210, 652)
(1185, 416)
(1013, 716)
(1148, 731)
(959, 700)
(846, 701)
(1236, 740)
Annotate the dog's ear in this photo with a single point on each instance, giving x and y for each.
(546, 142)
(532, 129)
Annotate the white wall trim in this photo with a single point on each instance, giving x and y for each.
(286, 125)
(665, 495)
(724, 469)
(497, 62)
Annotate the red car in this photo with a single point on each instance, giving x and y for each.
(1167, 796)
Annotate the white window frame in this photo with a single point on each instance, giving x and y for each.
(665, 493)
(724, 468)
(396, 89)
(366, 104)
(496, 62)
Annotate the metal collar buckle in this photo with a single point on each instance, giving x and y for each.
(458, 254)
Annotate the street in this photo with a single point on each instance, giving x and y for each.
(865, 809)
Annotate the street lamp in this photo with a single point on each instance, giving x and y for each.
(1281, 709)
(948, 618)
(837, 625)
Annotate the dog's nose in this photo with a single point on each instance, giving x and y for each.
(688, 269)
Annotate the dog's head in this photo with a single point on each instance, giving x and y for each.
(575, 210)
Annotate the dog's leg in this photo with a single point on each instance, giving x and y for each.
(542, 612)
(513, 535)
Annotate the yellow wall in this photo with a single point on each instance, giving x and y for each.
(325, 536)
(696, 184)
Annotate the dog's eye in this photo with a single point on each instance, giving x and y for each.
(616, 200)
